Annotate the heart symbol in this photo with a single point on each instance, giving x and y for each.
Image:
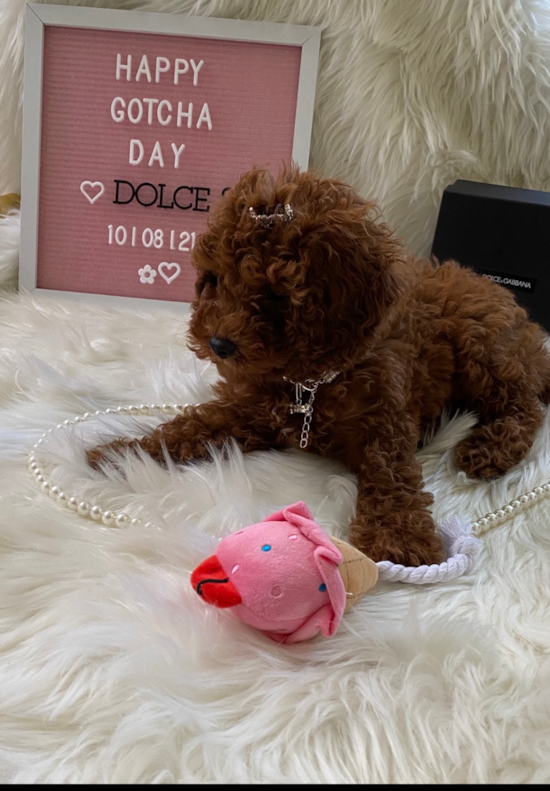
(92, 185)
(165, 267)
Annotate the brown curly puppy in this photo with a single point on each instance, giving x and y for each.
(319, 287)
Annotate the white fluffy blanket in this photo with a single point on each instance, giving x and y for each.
(111, 668)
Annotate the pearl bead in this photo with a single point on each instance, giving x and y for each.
(120, 410)
(67, 422)
(83, 508)
(62, 498)
(96, 512)
(144, 409)
(515, 504)
(500, 513)
(32, 458)
(546, 487)
(40, 478)
(523, 499)
(508, 509)
(98, 412)
(539, 490)
(108, 518)
(110, 411)
(34, 466)
(167, 409)
(86, 415)
(483, 522)
(155, 407)
(72, 503)
(121, 520)
(38, 442)
(532, 496)
(149, 525)
(54, 491)
(45, 486)
(135, 522)
(133, 410)
(77, 419)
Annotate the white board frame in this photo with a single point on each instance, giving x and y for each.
(38, 16)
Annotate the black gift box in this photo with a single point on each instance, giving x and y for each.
(502, 233)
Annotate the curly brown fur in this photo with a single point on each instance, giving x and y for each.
(334, 290)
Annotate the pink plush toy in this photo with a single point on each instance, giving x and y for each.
(285, 576)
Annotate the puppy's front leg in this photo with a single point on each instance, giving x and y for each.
(189, 435)
(392, 521)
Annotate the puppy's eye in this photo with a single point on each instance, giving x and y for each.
(207, 281)
(272, 296)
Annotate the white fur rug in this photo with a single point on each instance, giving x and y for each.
(111, 668)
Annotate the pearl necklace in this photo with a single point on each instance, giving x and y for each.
(111, 518)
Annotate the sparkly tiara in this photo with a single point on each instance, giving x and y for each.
(267, 220)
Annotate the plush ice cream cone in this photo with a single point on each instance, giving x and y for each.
(285, 576)
(359, 573)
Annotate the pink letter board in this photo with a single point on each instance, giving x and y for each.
(134, 124)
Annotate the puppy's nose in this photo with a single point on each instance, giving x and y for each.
(223, 347)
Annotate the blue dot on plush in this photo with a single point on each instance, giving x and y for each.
(322, 587)
(266, 547)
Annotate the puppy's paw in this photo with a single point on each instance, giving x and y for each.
(408, 538)
(491, 450)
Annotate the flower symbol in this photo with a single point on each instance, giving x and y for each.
(147, 274)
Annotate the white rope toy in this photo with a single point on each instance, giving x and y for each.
(463, 547)
(460, 538)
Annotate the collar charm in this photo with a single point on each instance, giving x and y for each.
(310, 386)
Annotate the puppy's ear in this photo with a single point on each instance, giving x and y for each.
(360, 262)
(379, 254)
